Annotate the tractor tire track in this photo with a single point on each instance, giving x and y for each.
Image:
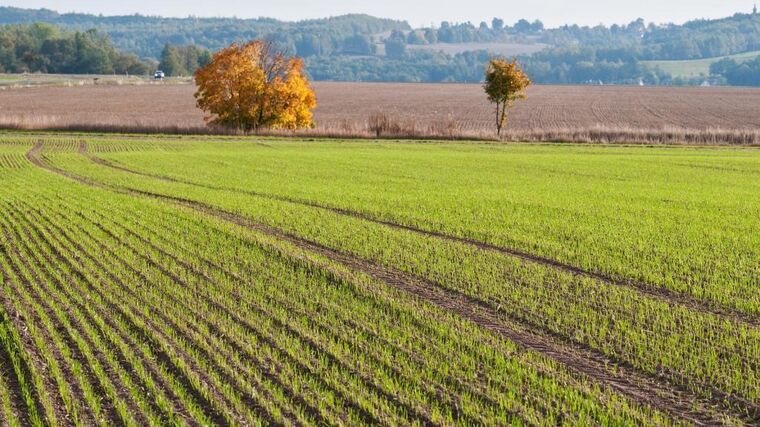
(665, 295)
(368, 417)
(225, 272)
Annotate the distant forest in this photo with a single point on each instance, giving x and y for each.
(48, 49)
(364, 48)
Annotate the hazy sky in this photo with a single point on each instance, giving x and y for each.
(417, 12)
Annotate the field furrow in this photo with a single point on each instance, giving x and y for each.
(25, 337)
(13, 388)
(174, 350)
(119, 388)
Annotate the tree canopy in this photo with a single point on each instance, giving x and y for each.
(505, 83)
(183, 60)
(48, 49)
(253, 86)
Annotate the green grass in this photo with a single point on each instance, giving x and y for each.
(696, 67)
(227, 324)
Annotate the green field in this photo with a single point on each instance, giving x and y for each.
(697, 67)
(161, 280)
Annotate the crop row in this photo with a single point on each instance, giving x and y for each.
(138, 313)
(13, 161)
(14, 142)
(60, 144)
(127, 146)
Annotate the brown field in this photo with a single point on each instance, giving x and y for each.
(562, 113)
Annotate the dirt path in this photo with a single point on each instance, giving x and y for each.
(656, 392)
(651, 290)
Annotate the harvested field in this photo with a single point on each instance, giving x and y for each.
(575, 113)
(210, 281)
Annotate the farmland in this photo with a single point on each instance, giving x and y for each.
(696, 67)
(152, 280)
(565, 113)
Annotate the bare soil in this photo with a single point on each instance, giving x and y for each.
(416, 109)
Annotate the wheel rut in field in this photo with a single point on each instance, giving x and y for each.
(660, 392)
(665, 295)
(181, 252)
(315, 346)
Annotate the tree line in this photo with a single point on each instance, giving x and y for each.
(178, 61)
(44, 48)
(47, 49)
(737, 73)
(146, 36)
(364, 48)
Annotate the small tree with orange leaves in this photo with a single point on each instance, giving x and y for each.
(505, 83)
(253, 86)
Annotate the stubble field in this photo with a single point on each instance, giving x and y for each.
(228, 281)
(571, 113)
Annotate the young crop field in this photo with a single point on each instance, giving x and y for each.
(151, 280)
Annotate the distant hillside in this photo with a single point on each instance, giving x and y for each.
(146, 36)
(620, 54)
(365, 48)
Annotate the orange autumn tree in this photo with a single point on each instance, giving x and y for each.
(253, 86)
(505, 83)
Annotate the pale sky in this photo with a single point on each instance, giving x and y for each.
(416, 12)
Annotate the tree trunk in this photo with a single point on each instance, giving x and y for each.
(498, 121)
(503, 117)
